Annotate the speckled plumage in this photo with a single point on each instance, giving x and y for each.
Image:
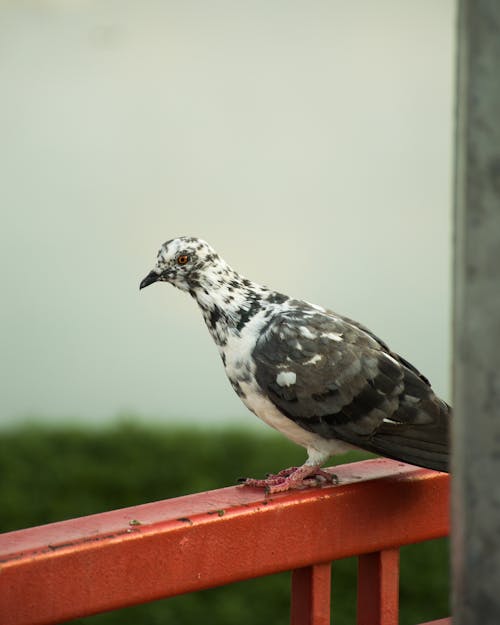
(323, 380)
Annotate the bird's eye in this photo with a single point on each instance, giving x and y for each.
(182, 259)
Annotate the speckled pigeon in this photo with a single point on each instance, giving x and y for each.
(323, 380)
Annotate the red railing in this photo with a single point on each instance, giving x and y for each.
(75, 568)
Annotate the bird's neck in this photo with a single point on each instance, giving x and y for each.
(228, 302)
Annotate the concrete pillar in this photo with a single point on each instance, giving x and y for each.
(476, 428)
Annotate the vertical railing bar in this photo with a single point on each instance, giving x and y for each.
(378, 588)
(310, 595)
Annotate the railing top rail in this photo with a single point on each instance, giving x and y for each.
(128, 556)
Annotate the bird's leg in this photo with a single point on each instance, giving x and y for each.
(294, 477)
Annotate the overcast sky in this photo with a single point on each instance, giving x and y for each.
(309, 142)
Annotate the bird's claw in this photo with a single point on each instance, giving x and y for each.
(294, 477)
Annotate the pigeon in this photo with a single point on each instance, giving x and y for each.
(323, 380)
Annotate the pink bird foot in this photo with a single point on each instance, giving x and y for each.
(294, 477)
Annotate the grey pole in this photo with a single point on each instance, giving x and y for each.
(476, 430)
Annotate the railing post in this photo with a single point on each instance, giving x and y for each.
(310, 602)
(378, 588)
(476, 425)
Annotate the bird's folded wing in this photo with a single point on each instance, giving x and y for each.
(335, 378)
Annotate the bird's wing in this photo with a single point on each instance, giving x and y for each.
(333, 377)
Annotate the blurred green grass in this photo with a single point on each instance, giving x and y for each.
(51, 474)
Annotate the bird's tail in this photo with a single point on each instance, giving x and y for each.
(424, 445)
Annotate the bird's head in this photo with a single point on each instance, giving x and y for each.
(184, 262)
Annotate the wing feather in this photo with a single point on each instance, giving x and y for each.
(343, 382)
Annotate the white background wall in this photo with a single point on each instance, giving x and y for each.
(309, 142)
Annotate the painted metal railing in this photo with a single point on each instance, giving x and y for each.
(75, 568)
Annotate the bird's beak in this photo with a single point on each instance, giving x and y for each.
(149, 279)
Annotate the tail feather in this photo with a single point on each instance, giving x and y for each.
(432, 454)
(425, 445)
